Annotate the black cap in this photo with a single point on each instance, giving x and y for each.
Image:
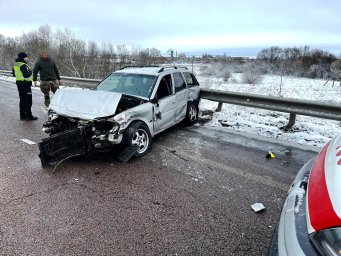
(22, 55)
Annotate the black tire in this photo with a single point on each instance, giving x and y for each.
(192, 113)
(138, 134)
(273, 247)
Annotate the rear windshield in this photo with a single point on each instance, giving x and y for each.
(132, 84)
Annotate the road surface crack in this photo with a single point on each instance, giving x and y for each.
(33, 194)
(165, 205)
(179, 156)
(89, 188)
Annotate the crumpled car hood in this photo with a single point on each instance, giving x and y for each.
(85, 104)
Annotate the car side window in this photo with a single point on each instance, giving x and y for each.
(165, 87)
(191, 80)
(179, 82)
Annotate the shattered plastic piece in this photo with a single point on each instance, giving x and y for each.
(257, 207)
(29, 142)
(270, 155)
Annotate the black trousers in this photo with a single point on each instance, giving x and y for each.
(25, 95)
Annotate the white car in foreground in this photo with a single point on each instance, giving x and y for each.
(310, 222)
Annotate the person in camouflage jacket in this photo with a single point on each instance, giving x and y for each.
(49, 75)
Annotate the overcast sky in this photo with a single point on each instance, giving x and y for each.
(187, 26)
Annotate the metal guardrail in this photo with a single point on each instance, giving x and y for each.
(286, 105)
(5, 73)
(66, 79)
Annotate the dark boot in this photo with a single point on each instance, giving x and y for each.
(32, 118)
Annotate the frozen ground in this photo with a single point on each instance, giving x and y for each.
(307, 130)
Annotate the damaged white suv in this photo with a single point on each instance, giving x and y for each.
(124, 112)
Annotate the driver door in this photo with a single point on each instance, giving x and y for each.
(165, 108)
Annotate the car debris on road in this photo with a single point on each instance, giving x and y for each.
(270, 155)
(257, 207)
(29, 142)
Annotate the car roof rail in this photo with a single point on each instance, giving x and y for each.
(169, 66)
(139, 66)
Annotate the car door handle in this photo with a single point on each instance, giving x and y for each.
(173, 102)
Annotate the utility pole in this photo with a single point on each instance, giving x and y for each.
(192, 63)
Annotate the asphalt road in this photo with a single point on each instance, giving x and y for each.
(191, 195)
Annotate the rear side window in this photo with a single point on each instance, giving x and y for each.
(191, 80)
(179, 82)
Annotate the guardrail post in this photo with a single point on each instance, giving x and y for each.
(220, 106)
(292, 119)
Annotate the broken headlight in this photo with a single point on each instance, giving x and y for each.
(52, 116)
(121, 119)
(328, 241)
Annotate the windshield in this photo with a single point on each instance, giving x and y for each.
(133, 84)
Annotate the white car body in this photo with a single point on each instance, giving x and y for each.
(155, 97)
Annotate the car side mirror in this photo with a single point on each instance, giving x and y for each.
(154, 101)
(158, 115)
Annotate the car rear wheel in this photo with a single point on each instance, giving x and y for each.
(138, 134)
(192, 113)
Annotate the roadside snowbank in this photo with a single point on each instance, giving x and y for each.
(307, 130)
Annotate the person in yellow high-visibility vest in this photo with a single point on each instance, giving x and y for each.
(23, 77)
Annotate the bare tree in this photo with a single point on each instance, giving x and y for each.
(335, 72)
(9, 50)
(123, 54)
(270, 55)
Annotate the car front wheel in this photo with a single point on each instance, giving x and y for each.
(137, 134)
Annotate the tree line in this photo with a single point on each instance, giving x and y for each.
(74, 57)
(300, 61)
(78, 58)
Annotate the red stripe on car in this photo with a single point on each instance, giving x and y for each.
(321, 211)
(338, 154)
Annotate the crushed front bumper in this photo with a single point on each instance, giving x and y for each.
(63, 145)
(79, 141)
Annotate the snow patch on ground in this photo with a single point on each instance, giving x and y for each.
(307, 130)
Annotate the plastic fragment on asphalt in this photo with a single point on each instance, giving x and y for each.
(29, 142)
(257, 207)
(270, 154)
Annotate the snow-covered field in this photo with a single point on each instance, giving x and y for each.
(307, 130)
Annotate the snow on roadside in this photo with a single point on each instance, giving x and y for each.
(307, 130)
